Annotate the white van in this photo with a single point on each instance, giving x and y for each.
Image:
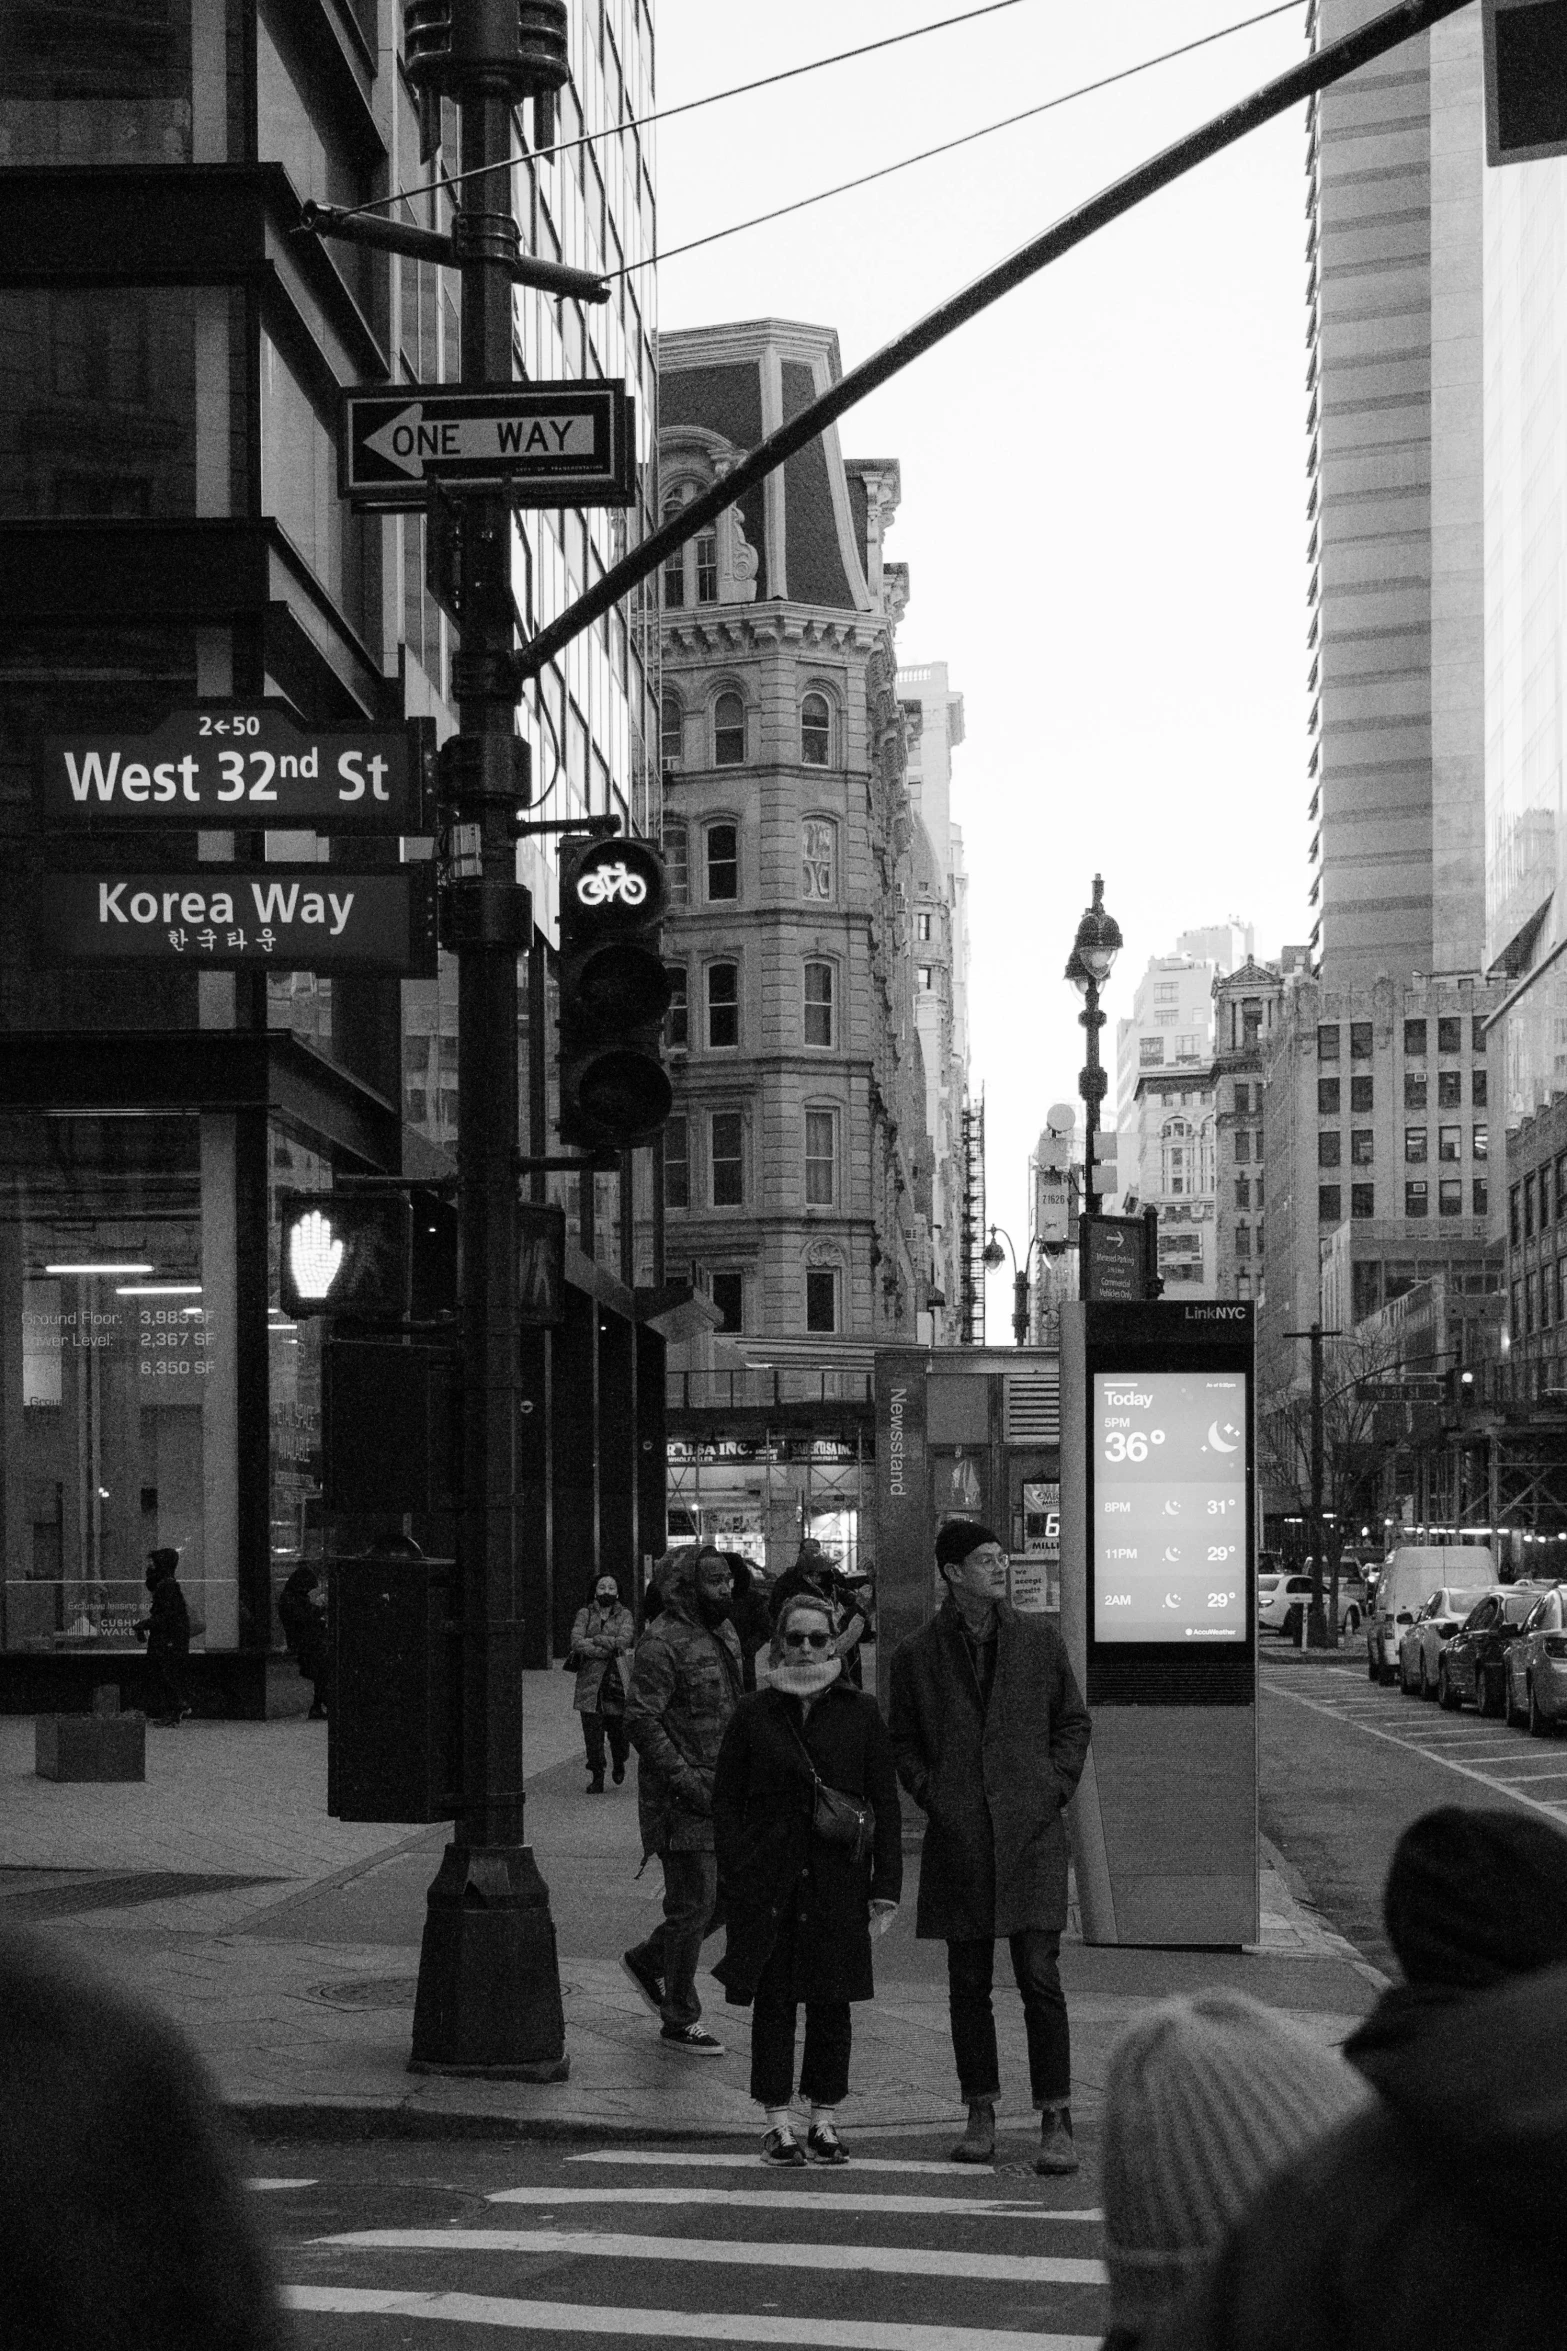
(1413, 1572)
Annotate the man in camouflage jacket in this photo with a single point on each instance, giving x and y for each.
(685, 1683)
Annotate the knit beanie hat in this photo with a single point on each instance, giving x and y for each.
(1473, 1897)
(1205, 2099)
(958, 1538)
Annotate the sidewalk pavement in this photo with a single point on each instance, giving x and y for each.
(285, 1945)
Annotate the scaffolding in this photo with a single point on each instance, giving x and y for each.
(973, 1224)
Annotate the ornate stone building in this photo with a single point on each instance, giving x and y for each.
(797, 1169)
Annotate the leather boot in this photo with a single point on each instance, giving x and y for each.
(1057, 2150)
(978, 2143)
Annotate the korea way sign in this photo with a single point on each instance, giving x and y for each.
(222, 764)
(291, 918)
(545, 444)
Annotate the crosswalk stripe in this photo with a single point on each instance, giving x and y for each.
(668, 2160)
(1483, 1779)
(784, 2199)
(682, 2326)
(897, 2260)
(272, 2187)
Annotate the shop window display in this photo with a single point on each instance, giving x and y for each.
(117, 1329)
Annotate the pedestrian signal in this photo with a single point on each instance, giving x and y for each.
(614, 992)
(345, 1254)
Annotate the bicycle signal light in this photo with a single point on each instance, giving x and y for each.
(614, 992)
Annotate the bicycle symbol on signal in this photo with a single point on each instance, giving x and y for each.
(605, 883)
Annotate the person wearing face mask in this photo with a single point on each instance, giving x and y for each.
(801, 1907)
(685, 1683)
(990, 1734)
(601, 1635)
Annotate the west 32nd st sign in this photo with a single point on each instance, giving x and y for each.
(311, 918)
(218, 765)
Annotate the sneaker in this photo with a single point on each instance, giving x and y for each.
(649, 1983)
(823, 2145)
(1057, 2152)
(692, 2040)
(783, 2147)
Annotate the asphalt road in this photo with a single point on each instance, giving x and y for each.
(1347, 1764)
(393, 2243)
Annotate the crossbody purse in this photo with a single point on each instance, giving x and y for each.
(837, 1819)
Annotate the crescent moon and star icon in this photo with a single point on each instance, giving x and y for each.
(1216, 1442)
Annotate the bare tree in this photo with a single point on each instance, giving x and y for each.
(1357, 1376)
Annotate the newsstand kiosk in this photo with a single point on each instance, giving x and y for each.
(1158, 1613)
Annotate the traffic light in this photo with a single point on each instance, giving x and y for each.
(346, 1253)
(614, 992)
(1525, 45)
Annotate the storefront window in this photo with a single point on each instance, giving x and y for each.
(118, 1387)
(131, 104)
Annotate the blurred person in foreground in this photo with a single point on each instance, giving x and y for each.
(1433, 2220)
(123, 2222)
(1206, 2098)
(804, 1887)
(685, 1685)
(991, 1734)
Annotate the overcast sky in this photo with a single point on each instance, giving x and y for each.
(1104, 479)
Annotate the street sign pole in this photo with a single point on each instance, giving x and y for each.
(488, 1998)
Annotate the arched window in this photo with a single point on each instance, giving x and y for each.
(723, 861)
(671, 729)
(818, 1004)
(723, 1005)
(816, 731)
(729, 731)
(706, 549)
(674, 564)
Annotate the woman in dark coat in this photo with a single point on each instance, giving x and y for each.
(799, 1909)
(166, 1630)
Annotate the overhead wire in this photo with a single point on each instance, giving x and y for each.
(642, 122)
(947, 146)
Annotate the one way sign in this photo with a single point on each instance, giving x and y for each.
(545, 444)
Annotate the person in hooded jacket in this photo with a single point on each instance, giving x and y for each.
(801, 1910)
(1432, 2222)
(166, 1629)
(685, 1684)
(602, 1634)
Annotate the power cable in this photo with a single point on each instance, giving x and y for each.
(1047, 106)
(642, 122)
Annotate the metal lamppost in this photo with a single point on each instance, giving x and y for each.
(1093, 955)
(991, 1256)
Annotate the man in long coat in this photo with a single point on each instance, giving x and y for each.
(990, 1734)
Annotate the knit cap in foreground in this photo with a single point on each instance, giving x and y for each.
(1205, 2099)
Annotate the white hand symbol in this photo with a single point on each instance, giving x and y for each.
(314, 1257)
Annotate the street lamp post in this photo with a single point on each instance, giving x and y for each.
(1093, 955)
(991, 1256)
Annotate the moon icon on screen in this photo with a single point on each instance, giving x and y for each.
(1172, 1551)
(1217, 1442)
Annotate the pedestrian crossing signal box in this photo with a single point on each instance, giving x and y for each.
(1158, 1610)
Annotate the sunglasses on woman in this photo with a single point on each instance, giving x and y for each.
(808, 1640)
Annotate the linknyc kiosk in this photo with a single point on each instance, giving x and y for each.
(1158, 1614)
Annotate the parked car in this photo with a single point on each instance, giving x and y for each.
(1420, 1650)
(1536, 1668)
(1410, 1575)
(1279, 1597)
(1473, 1664)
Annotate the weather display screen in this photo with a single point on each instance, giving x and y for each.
(1169, 1486)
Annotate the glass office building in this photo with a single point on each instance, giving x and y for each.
(172, 352)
